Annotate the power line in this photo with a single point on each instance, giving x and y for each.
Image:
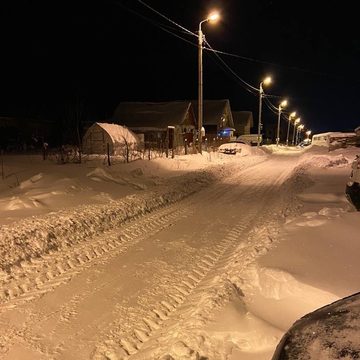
(271, 106)
(157, 24)
(168, 19)
(250, 87)
(294, 68)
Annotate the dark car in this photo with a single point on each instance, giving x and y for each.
(331, 332)
(352, 190)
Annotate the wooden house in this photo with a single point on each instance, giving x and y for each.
(168, 123)
(243, 122)
(217, 118)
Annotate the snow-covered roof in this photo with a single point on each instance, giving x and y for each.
(118, 133)
(243, 118)
(336, 134)
(214, 110)
(153, 115)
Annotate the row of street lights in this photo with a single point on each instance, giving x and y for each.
(297, 126)
(214, 17)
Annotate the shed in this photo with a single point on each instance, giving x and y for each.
(99, 135)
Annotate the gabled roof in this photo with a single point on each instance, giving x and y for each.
(152, 115)
(213, 110)
(243, 118)
(118, 133)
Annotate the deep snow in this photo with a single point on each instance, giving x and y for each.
(302, 257)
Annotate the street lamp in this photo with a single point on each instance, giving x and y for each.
(293, 114)
(266, 81)
(213, 17)
(299, 128)
(295, 122)
(308, 134)
(281, 106)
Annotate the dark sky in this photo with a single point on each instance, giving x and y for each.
(103, 52)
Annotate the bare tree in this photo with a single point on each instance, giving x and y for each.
(74, 117)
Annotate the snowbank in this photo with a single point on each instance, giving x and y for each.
(33, 237)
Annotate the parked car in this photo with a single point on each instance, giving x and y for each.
(331, 332)
(234, 147)
(353, 185)
(305, 142)
(251, 139)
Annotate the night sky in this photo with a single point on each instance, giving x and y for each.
(102, 52)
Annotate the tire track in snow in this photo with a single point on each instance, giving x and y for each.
(120, 346)
(38, 276)
(154, 319)
(183, 327)
(117, 345)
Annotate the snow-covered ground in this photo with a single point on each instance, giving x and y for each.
(207, 256)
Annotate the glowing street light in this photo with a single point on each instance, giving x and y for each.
(266, 81)
(280, 108)
(213, 17)
(297, 121)
(308, 133)
(298, 130)
(292, 115)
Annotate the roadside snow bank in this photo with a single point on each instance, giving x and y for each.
(35, 236)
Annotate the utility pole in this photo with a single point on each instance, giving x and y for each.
(200, 90)
(266, 81)
(260, 105)
(213, 17)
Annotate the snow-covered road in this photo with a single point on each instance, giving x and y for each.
(148, 288)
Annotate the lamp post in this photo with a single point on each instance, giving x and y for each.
(308, 134)
(299, 128)
(213, 17)
(293, 114)
(281, 106)
(295, 122)
(266, 81)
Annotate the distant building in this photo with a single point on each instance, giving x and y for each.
(100, 136)
(217, 118)
(243, 122)
(334, 140)
(161, 122)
